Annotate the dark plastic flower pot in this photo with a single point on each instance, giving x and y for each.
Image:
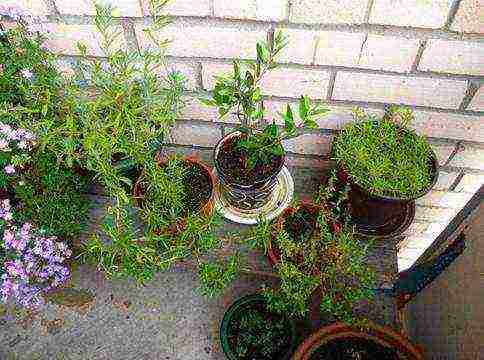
(245, 304)
(374, 333)
(244, 196)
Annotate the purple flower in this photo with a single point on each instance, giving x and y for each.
(9, 169)
(27, 74)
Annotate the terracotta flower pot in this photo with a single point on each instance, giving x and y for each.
(380, 335)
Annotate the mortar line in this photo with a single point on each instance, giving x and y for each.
(211, 7)
(452, 13)
(453, 153)
(332, 80)
(198, 77)
(369, 8)
(471, 91)
(418, 57)
(52, 7)
(288, 11)
(389, 30)
(130, 35)
(456, 181)
(363, 44)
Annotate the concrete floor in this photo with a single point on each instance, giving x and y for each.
(165, 319)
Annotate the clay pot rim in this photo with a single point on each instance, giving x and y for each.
(380, 334)
(223, 177)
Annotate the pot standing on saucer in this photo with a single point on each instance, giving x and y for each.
(249, 330)
(318, 261)
(342, 342)
(249, 160)
(388, 166)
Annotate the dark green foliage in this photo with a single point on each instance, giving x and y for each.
(52, 196)
(383, 157)
(257, 334)
(240, 93)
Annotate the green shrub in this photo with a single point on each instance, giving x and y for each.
(384, 157)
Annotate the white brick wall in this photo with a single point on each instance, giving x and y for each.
(86, 7)
(417, 13)
(433, 92)
(338, 48)
(36, 7)
(182, 7)
(271, 10)
(328, 11)
(477, 103)
(469, 157)
(459, 57)
(469, 17)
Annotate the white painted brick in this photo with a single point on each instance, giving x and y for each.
(470, 183)
(338, 48)
(411, 253)
(469, 17)
(314, 144)
(445, 180)
(417, 13)
(189, 70)
(182, 8)
(415, 242)
(300, 47)
(272, 10)
(469, 157)
(35, 7)
(442, 151)
(202, 134)
(286, 82)
(194, 110)
(417, 228)
(442, 93)
(445, 199)
(328, 11)
(425, 229)
(389, 53)
(434, 214)
(64, 38)
(130, 8)
(447, 125)
(200, 41)
(459, 57)
(477, 102)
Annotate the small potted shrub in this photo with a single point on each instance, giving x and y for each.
(343, 342)
(315, 257)
(249, 330)
(249, 160)
(387, 166)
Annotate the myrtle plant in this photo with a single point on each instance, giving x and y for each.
(33, 263)
(240, 94)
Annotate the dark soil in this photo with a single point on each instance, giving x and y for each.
(198, 187)
(353, 348)
(256, 334)
(232, 163)
(300, 224)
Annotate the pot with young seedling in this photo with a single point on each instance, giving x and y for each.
(249, 330)
(387, 166)
(343, 342)
(249, 162)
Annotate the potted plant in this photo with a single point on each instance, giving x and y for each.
(343, 342)
(387, 166)
(249, 160)
(316, 258)
(249, 330)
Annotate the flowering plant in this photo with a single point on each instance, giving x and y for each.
(15, 145)
(33, 263)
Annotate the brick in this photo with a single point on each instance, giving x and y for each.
(64, 38)
(182, 8)
(445, 199)
(445, 180)
(286, 82)
(129, 8)
(470, 183)
(328, 11)
(189, 70)
(411, 253)
(442, 151)
(187, 133)
(389, 53)
(425, 229)
(416, 13)
(442, 93)
(448, 125)
(201, 41)
(469, 17)
(468, 157)
(477, 102)
(314, 144)
(300, 47)
(338, 48)
(195, 110)
(306, 163)
(444, 215)
(271, 10)
(35, 7)
(415, 242)
(458, 57)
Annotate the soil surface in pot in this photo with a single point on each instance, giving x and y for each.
(353, 348)
(232, 162)
(256, 334)
(198, 187)
(300, 224)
